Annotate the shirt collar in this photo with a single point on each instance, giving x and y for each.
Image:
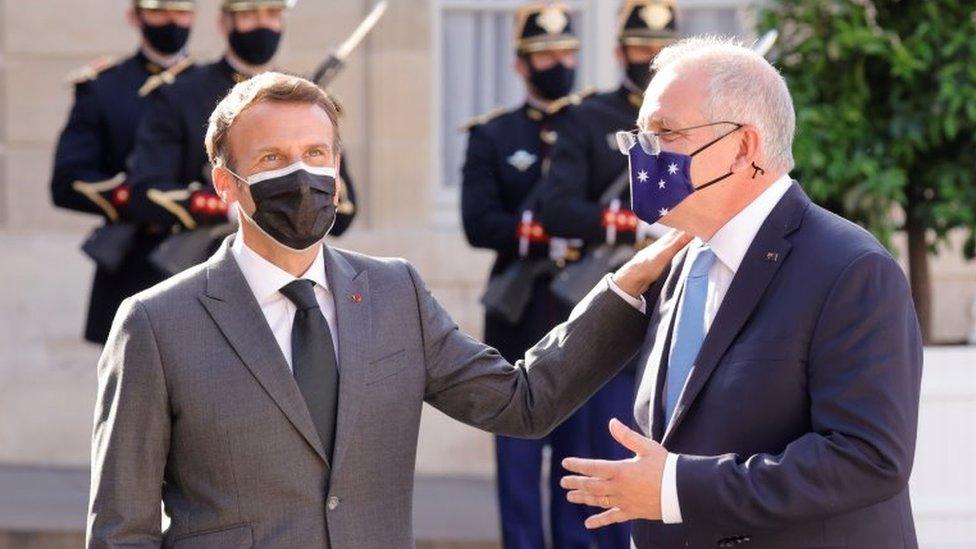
(265, 278)
(732, 241)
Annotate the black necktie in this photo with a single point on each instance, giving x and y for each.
(313, 360)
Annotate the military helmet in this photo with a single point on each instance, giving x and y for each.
(541, 26)
(647, 23)
(178, 5)
(243, 5)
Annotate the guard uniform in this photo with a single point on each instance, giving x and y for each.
(91, 163)
(586, 162)
(508, 151)
(170, 170)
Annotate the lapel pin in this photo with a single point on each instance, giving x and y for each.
(357, 297)
(772, 256)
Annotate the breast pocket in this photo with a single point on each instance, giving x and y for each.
(386, 367)
(232, 537)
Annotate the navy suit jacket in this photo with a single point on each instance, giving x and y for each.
(797, 424)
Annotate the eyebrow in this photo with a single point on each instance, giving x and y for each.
(317, 144)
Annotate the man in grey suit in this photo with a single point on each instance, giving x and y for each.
(778, 400)
(271, 397)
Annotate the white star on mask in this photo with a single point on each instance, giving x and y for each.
(642, 176)
(673, 169)
(663, 212)
(661, 184)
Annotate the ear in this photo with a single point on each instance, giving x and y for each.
(339, 181)
(224, 23)
(225, 184)
(749, 149)
(132, 16)
(522, 66)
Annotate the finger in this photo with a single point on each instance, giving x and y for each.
(593, 486)
(582, 498)
(629, 438)
(606, 518)
(591, 467)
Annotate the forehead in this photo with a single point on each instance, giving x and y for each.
(275, 124)
(675, 98)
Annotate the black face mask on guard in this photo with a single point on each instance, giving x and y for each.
(255, 47)
(167, 39)
(554, 82)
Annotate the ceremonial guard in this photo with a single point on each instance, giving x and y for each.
(586, 196)
(508, 154)
(91, 166)
(171, 174)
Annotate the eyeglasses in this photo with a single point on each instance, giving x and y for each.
(651, 141)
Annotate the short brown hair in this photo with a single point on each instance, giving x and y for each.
(268, 86)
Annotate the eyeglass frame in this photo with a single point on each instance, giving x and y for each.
(650, 142)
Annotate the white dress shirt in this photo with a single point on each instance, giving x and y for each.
(266, 279)
(730, 245)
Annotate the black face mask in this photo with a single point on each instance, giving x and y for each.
(294, 205)
(639, 75)
(166, 39)
(255, 47)
(552, 83)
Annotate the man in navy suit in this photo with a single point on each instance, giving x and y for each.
(778, 397)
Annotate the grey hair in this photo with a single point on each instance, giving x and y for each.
(743, 87)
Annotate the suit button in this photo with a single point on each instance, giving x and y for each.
(332, 503)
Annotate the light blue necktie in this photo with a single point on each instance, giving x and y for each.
(690, 331)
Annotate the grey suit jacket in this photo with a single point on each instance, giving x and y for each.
(197, 407)
(796, 427)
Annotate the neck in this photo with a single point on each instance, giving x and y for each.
(717, 205)
(160, 58)
(537, 101)
(294, 263)
(241, 66)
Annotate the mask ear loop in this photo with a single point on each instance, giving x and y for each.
(716, 140)
(757, 171)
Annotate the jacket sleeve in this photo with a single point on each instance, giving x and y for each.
(864, 374)
(157, 160)
(472, 383)
(487, 222)
(131, 437)
(80, 153)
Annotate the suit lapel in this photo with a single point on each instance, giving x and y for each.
(350, 289)
(233, 307)
(766, 254)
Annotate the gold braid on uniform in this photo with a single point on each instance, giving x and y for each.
(93, 192)
(169, 201)
(483, 119)
(166, 77)
(91, 71)
(572, 99)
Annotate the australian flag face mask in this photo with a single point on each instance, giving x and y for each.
(661, 180)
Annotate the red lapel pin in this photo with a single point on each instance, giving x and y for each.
(357, 297)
